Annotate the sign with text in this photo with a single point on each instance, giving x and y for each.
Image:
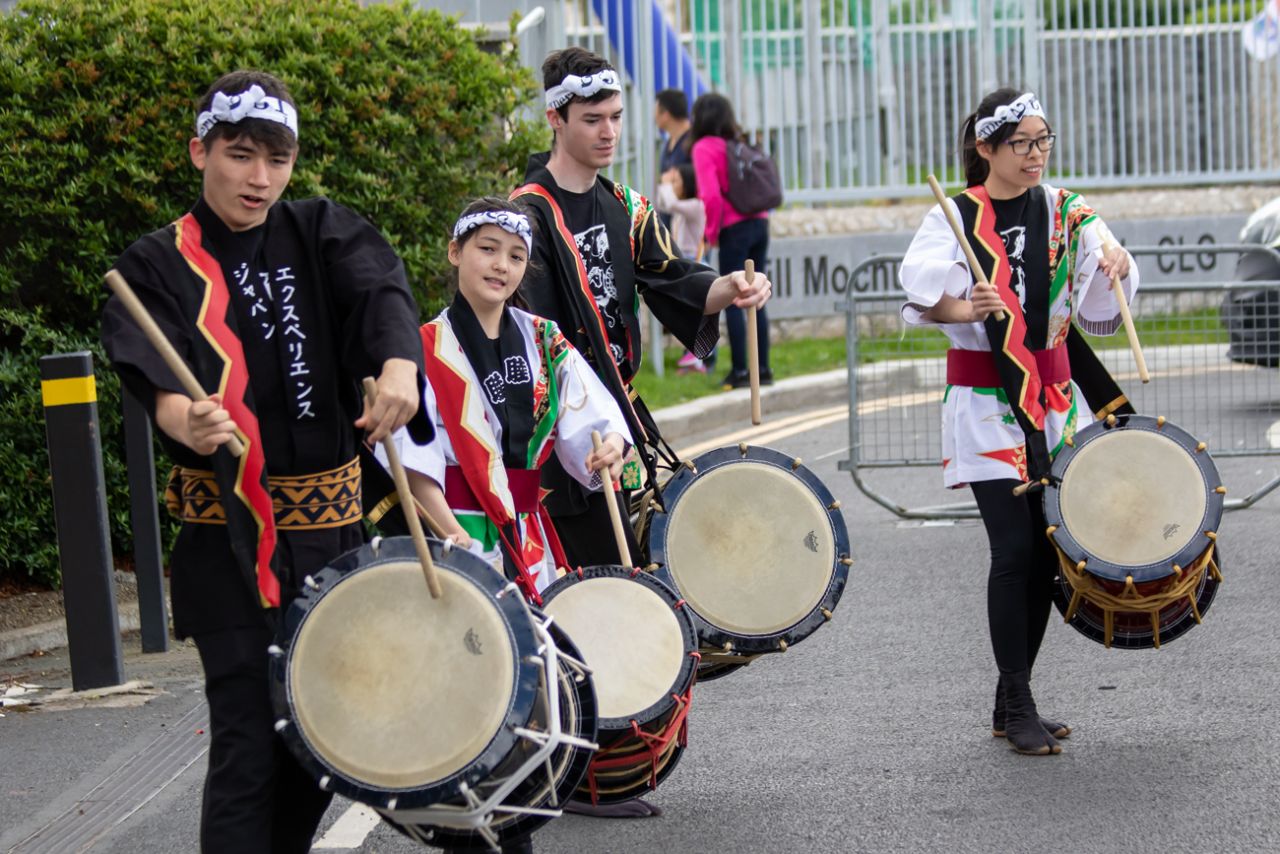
(811, 274)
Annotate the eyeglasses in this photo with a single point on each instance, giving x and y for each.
(1023, 146)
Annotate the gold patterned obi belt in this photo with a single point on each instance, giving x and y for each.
(302, 502)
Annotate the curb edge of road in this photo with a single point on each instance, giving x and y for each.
(676, 423)
(17, 643)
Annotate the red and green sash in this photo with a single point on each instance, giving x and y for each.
(479, 459)
(233, 387)
(1014, 361)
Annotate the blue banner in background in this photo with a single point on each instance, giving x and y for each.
(673, 68)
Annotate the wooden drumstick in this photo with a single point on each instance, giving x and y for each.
(407, 502)
(1129, 328)
(611, 500)
(1021, 489)
(959, 233)
(160, 341)
(753, 347)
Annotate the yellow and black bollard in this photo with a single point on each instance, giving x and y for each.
(80, 512)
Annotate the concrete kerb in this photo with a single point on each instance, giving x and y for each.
(16, 643)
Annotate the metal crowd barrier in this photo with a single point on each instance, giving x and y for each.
(1213, 349)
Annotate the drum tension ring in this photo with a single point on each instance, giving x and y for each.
(834, 505)
(846, 561)
(1111, 420)
(310, 583)
(742, 448)
(1160, 420)
(782, 645)
(1200, 447)
(826, 613)
(1221, 490)
(796, 463)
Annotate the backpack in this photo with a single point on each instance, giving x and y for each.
(754, 183)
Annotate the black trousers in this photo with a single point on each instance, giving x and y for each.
(257, 798)
(1023, 566)
(588, 537)
(738, 242)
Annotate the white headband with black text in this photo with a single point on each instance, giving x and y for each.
(253, 103)
(1025, 105)
(512, 223)
(582, 86)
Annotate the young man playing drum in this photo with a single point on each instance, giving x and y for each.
(604, 246)
(279, 308)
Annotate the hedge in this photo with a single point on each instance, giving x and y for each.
(403, 115)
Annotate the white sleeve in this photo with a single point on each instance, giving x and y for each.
(934, 265)
(1096, 309)
(585, 405)
(665, 201)
(428, 459)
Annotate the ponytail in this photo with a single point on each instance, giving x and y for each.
(975, 168)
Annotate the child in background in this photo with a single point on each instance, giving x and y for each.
(678, 198)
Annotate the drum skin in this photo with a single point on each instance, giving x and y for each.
(1132, 497)
(569, 764)
(756, 544)
(641, 645)
(395, 699)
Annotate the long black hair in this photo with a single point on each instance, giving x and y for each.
(976, 168)
(713, 116)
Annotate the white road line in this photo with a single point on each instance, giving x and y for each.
(350, 830)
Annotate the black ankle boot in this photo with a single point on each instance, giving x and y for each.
(1057, 729)
(1022, 721)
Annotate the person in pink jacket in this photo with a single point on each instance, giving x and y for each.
(737, 236)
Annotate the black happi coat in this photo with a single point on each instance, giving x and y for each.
(284, 319)
(674, 288)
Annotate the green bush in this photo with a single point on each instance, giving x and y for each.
(28, 546)
(403, 117)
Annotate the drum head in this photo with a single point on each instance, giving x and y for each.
(750, 546)
(1133, 498)
(396, 689)
(630, 636)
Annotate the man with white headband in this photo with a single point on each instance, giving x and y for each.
(602, 249)
(279, 308)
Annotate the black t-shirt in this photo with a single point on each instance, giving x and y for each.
(1022, 223)
(584, 218)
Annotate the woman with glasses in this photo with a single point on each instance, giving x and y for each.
(1019, 384)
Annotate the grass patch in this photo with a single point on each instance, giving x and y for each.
(788, 359)
(815, 355)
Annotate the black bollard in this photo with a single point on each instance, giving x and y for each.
(80, 512)
(153, 613)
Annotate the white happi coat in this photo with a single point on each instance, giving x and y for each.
(584, 405)
(981, 438)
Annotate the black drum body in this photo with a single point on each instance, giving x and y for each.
(1133, 511)
(756, 545)
(443, 714)
(640, 643)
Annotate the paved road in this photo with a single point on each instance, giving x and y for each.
(869, 736)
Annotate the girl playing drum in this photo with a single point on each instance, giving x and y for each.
(1020, 378)
(504, 389)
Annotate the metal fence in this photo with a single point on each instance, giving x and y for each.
(1213, 350)
(863, 98)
